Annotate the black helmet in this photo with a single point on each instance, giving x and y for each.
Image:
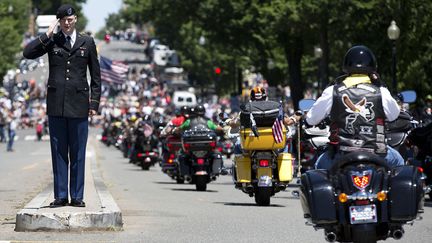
(184, 110)
(359, 60)
(199, 110)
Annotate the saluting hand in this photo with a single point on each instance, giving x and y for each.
(52, 27)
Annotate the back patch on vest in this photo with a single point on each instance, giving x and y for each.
(363, 109)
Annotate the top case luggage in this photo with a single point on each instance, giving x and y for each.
(199, 140)
(264, 113)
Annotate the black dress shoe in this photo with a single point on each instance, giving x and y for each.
(59, 203)
(77, 203)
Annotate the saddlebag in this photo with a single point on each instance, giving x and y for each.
(264, 113)
(243, 168)
(406, 194)
(318, 197)
(285, 167)
(199, 140)
(173, 143)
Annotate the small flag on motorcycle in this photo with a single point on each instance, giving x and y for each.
(277, 129)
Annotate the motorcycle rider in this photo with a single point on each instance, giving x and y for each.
(182, 115)
(197, 118)
(358, 106)
(256, 94)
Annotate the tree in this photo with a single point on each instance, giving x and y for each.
(12, 29)
(249, 33)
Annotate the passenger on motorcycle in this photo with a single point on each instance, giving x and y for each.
(197, 118)
(358, 106)
(181, 115)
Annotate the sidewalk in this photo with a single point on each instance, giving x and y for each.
(101, 211)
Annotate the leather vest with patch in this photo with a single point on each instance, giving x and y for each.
(358, 119)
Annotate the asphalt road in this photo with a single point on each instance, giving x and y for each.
(155, 208)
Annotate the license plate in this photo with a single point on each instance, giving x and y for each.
(363, 214)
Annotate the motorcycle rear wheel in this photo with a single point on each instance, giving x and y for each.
(145, 166)
(201, 183)
(262, 196)
(363, 234)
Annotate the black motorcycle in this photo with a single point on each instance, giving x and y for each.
(420, 139)
(200, 164)
(145, 148)
(361, 199)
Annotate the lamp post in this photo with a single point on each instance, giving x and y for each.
(318, 54)
(393, 34)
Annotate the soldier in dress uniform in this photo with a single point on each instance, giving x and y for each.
(70, 100)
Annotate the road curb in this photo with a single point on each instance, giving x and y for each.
(105, 215)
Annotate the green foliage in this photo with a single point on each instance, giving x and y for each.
(12, 28)
(247, 33)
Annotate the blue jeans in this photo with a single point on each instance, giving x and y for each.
(2, 134)
(11, 140)
(393, 159)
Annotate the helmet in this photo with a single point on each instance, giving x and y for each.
(258, 93)
(184, 110)
(132, 118)
(199, 110)
(359, 60)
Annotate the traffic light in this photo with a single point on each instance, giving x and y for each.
(217, 70)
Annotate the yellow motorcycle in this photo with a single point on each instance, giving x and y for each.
(261, 170)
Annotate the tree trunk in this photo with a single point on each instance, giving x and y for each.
(293, 54)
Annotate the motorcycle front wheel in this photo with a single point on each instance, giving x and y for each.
(262, 196)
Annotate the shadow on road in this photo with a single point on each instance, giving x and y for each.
(248, 204)
(189, 190)
(428, 204)
(165, 182)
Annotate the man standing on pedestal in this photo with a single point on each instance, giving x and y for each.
(70, 100)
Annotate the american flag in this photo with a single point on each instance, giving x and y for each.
(277, 129)
(113, 71)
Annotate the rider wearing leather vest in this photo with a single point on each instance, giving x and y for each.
(357, 116)
(358, 107)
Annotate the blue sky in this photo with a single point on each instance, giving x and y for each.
(97, 10)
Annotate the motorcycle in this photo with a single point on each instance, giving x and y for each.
(199, 163)
(170, 164)
(261, 170)
(420, 139)
(145, 152)
(362, 199)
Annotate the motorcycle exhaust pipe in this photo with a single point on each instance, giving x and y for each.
(397, 234)
(188, 178)
(330, 236)
(213, 178)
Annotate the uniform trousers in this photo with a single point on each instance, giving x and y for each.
(68, 137)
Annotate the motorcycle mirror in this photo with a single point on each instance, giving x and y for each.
(408, 96)
(306, 104)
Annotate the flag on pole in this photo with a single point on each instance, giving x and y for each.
(277, 128)
(113, 71)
